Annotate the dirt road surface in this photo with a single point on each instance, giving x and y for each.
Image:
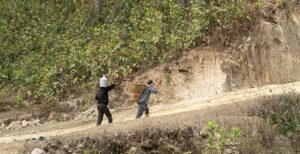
(124, 119)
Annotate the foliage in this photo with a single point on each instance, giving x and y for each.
(50, 49)
(219, 138)
(262, 4)
(93, 151)
(280, 3)
(283, 114)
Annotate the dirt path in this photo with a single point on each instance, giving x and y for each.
(157, 111)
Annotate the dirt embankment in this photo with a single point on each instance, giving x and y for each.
(268, 55)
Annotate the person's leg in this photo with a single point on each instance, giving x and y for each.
(100, 115)
(147, 111)
(140, 111)
(108, 114)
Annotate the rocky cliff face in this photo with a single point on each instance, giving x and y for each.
(267, 54)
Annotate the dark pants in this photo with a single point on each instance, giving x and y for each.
(141, 109)
(103, 109)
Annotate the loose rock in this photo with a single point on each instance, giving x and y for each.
(38, 151)
(25, 117)
(15, 125)
(2, 125)
(228, 151)
(24, 123)
(35, 122)
(52, 116)
(203, 134)
(132, 150)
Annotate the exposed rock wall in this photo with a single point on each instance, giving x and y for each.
(269, 55)
(196, 73)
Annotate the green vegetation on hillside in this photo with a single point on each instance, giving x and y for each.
(51, 49)
(283, 115)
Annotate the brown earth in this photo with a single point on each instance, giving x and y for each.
(188, 112)
(201, 85)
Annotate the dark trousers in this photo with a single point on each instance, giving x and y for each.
(103, 109)
(141, 109)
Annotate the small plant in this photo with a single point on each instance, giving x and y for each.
(236, 133)
(85, 151)
(60, 118)
(168, 79)
(280, 3)
(259, 4)
(219, 138)
(93, 150)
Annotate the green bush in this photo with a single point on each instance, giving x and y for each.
(50, 49)
(283, 114)
(218, 138)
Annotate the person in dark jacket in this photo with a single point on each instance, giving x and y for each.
(102, 102)
(144, 99)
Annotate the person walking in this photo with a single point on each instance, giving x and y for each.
(144, 99)
(102, 100)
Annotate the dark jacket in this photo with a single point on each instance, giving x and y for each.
(102, 94)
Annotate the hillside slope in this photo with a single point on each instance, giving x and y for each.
(206, 83)
(268, 54)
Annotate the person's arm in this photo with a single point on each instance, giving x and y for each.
(153, 89)
(111, 87)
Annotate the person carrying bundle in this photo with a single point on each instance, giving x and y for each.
(102, 100)
(144, 99)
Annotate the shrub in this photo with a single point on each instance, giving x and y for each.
(283, 114)
(49, 49)
(219, 138)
